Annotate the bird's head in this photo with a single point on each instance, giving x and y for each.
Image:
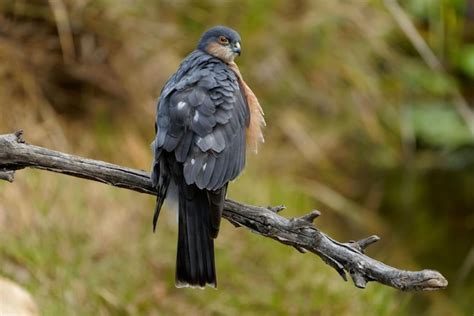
(221, 42)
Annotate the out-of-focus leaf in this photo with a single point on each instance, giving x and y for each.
(421, 77)
(421, 8)
(466, 60)
(439, 125)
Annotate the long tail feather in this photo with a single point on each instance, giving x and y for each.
(216, 204)
(195, 265)
(162, 187)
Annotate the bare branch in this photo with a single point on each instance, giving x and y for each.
(7, 175)
(277, 209)
(310, 217)
(299, 233)
(364, 243)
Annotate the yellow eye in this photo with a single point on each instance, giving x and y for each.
(223, 40)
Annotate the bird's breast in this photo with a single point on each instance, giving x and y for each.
(254, 133)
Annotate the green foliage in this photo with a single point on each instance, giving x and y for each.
(466, 60)
(440, 126)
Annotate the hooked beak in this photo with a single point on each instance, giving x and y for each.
(236, 48)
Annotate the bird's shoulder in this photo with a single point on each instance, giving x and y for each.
(205, 89)
(202, 70)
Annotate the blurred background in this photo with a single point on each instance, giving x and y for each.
(369, 106)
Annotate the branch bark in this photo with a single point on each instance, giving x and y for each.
(298, 232)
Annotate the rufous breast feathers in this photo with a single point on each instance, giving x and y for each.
(257, 121)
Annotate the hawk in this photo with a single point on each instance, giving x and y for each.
(207, 117)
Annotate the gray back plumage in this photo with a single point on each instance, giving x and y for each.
(202, 118)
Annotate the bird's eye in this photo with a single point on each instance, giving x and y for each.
(223, 40)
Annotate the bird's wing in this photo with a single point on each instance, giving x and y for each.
(203, 121)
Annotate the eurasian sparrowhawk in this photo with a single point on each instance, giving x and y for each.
(206, 118)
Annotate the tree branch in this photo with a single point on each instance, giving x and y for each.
(298, 232)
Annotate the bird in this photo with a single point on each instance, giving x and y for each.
(207, 118)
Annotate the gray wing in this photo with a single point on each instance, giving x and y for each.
(203, 121)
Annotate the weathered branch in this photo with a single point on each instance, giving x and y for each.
(298, 232)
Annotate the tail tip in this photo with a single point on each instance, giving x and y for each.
(183, 284)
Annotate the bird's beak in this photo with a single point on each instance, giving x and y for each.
(236, 48)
